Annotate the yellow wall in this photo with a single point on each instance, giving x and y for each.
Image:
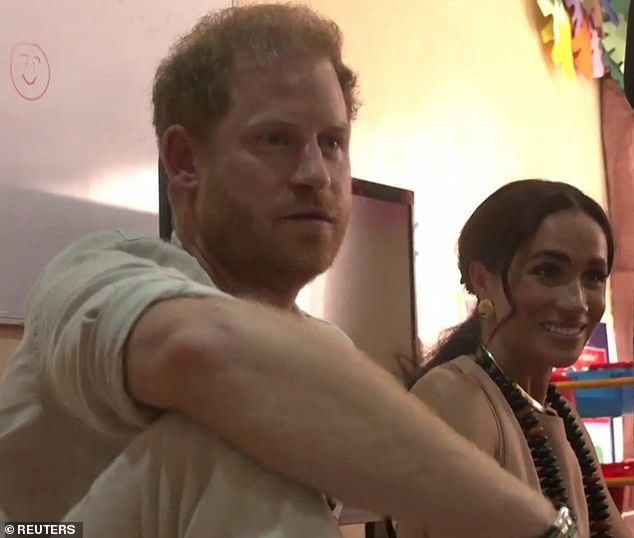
(459, 98)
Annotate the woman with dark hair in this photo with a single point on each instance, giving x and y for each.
(536, 254)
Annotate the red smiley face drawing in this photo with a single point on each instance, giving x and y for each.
(30, 71)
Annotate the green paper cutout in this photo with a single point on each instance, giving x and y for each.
(621, 6)
(615, 70)
(614, 40)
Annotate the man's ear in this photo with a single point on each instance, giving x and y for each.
(481, 279)
(177, 153)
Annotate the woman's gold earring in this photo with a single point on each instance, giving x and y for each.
(486, 308)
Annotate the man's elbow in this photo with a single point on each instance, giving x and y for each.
(170, 356)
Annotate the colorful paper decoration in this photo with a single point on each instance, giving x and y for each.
(598, 68)
(613, 69)
(613, 44)
(593, 11)
(614, 39)
(577, 15)
(558, 30)
(582, 49)
(609, 11)
(587, 36)
(621, 6)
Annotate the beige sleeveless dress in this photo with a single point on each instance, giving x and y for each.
(512, 451)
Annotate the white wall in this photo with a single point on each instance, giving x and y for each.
(459, 99)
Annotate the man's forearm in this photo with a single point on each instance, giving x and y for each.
(305, 404)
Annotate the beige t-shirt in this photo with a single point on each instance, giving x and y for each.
(64, 412)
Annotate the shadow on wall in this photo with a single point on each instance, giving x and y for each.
(30, 238)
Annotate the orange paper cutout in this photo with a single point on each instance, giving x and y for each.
(582, 49)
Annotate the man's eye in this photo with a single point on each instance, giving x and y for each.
(333, 143)
(277, 139)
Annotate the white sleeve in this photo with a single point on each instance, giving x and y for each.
(82, 313)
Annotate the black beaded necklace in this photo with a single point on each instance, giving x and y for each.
(541, 452)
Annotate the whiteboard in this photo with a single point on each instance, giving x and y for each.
(77, 147)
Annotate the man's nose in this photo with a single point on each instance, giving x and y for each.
(311, 168)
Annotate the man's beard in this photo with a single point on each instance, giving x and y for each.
(258, 258)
